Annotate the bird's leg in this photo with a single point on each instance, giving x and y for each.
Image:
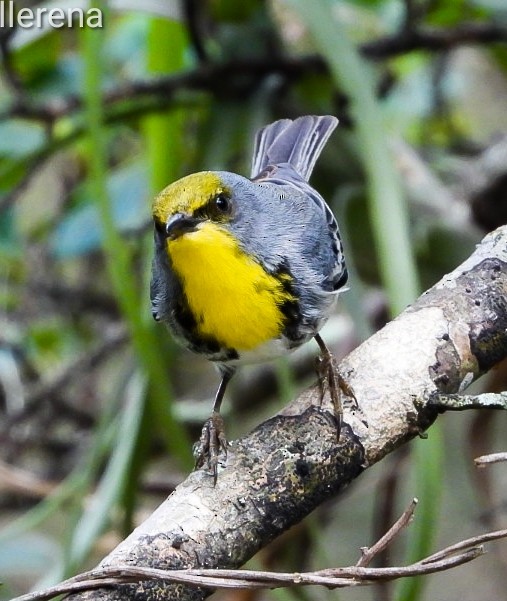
(330, 378)
(212, 439)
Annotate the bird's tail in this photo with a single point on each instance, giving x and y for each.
(297, 142)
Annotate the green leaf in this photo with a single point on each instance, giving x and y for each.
(118, 259)
(80, 231)
(19, 138)
(427, 455)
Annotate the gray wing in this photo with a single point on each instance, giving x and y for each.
(298, 143)
(284, 176)
(285, 154)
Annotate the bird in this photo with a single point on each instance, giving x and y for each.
(249, 269)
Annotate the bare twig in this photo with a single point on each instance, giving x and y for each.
(11, 75)
(18, 480)
(386, 495)
(83, 364)
(194, 18)
(34, 162)
(434, 40)
(368, 553)
(466, 544)
(237, 75)
(251, 579)
(76, 298)
(411, 15)
(488, 459)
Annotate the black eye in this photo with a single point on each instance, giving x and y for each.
(342, 279)
(159, 226)
(222, 203)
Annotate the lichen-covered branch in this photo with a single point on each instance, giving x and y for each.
(461, 402)
(292, 462)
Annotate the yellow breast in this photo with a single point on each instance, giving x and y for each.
(230, 295)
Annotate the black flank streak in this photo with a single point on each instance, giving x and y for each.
(290, 308)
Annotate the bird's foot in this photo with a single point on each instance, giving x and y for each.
(341, 393)
(331, 381)
(211, 443)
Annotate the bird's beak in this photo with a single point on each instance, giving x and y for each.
(180, 224)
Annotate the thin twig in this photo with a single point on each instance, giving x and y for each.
(484, 460)
(22, 481)
(245, 579)
(416, 569)
(464, 544)
(34, 162)
(193, 12)
(358, 575)
(82, 365)
(434, 40)
(368, 553)
(10, 74)
(386, 496)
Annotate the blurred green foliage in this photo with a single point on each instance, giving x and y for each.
(96, 398)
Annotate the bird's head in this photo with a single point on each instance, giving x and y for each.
(193, 201)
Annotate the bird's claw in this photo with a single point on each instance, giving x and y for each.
(211, 443)
(330, 380)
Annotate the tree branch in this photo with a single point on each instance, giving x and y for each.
(231, 79)
(461, 402)
(488, 459)
(433, 39)
(291, 463)
(238, 76)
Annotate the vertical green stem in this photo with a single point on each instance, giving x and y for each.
(117, 253)
(428, 460)
(164, 132)
(389, 217)
(386, 203)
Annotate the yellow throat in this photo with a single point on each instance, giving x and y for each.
(233, 299)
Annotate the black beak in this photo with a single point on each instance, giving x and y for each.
(180, 224)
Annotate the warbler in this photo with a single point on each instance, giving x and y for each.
(246, 270)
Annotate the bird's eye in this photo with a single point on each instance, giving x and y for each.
(342, 279)
(222, 203)
(159, 226)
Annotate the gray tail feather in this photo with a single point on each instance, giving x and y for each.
(297, 142)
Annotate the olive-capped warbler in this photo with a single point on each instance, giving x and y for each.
(246, 270)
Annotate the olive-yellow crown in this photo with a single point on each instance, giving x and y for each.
(202, 192)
